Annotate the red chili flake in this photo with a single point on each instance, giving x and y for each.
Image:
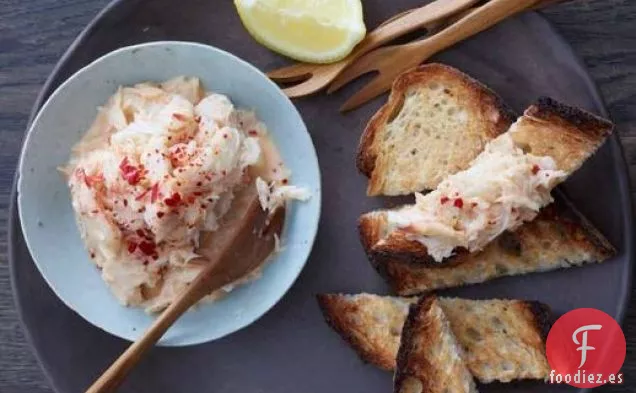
(125, 202)
(140, 233)
(155, 256)
(130, 173)
(148, 248)
(141, 210)
(154, 192)
(179, 116)
(203, 207)
(443, 200)
(169, 138)
(191, 199)
(223, 172)
(132, 246)
(225, 136)
(535, 169)
(141, 196)
(197, 193)
(474, 204)
(459, 203)
(284, 181)
(95, 211)
(199, 184)
(197, 118)
(208, 177)
(160, 214)
(145, 263)
(92, 255)
(173, 200)
(252, 133)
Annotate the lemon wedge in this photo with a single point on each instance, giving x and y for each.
(315, 31)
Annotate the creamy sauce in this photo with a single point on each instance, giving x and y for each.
(270, 166)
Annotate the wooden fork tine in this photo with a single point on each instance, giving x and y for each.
(373, 89)
(292, 73)
(302, 89)
(363, 65)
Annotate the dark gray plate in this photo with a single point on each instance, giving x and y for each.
(291, 349)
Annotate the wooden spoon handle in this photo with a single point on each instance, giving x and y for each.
(475, 22)
(116, 373)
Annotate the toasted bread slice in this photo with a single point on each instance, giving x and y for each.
(568, 135)
(503, 340)
(436, 121)
(429, 359)
(371, 324)
(560, 237)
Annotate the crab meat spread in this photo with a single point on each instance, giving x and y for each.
(502, 188)
(160, 164)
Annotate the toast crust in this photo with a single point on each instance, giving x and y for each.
(479, 97)
(378, 349)
(429, 359)
(552, 111)
(502, 339)
(559, 237)
(569, 135)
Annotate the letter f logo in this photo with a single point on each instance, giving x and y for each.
(584, 347)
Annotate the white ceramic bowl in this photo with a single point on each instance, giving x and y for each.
(47, 216)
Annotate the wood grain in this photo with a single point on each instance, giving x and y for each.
(35, 33)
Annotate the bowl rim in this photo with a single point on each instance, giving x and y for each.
(316, 195)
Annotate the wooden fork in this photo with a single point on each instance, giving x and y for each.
(315, 77)
(391, 61)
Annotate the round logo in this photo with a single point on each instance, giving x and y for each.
(586, 349)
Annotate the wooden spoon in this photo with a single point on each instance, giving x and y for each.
(317, 76)
(245, 239)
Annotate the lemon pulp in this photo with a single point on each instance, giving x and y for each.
(318, 31)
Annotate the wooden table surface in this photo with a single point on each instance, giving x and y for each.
(35, 33)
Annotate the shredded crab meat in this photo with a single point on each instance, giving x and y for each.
(502, 188)
(272, 196)
(160, 164)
